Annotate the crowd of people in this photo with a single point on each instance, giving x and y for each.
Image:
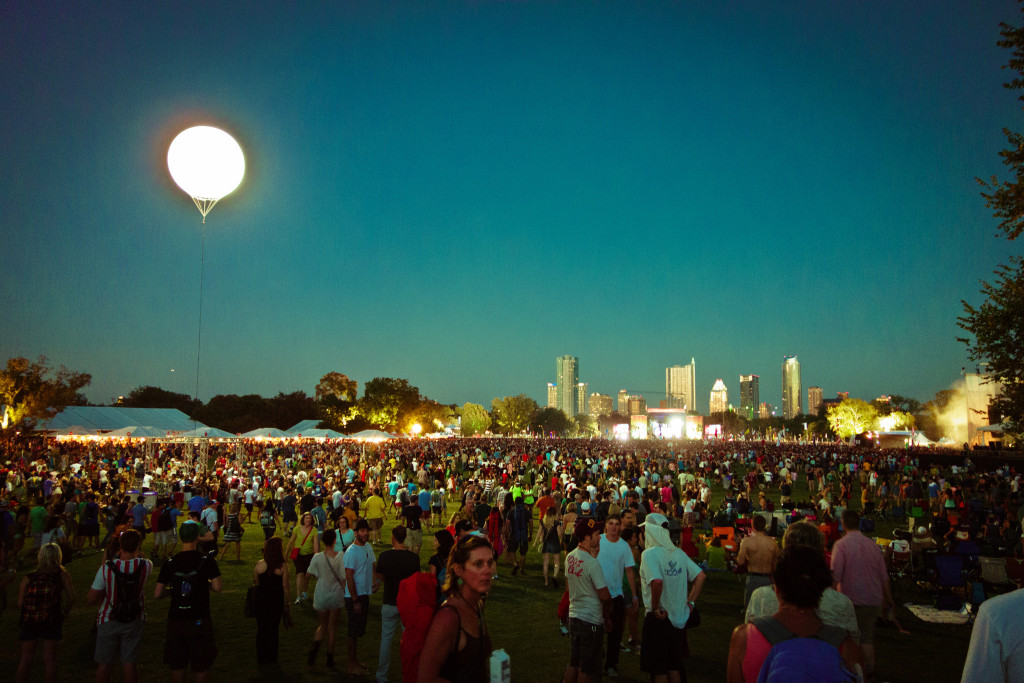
(620, 523)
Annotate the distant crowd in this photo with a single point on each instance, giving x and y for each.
(632, 528)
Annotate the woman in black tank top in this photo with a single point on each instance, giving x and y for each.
(458, 647)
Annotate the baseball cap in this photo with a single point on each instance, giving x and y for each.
(585, 527)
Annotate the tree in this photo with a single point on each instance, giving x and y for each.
(428, 414)
(584, 425)
(906, 405)
(335, 397)
(155, 397)
(337, 385)
(996, 328)
(32, 392)
(852, 416)
(513, 413)
(551, 421)
(385, 400)
(475, 419)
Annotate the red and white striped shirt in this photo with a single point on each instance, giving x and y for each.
(106, 582)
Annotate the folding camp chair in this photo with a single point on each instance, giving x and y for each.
(902, 558)
(728, 536)
(971, 552)
(1015, 571)
(994, 575)
(950, 586)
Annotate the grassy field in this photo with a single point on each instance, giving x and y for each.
(520, 614)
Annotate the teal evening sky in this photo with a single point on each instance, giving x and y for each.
(457, 193)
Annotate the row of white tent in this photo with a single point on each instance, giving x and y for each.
(204, 432)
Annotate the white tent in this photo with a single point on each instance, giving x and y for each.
(137, 432)
(266, 433)
(319, 434)
(371, 435)
(205, 433)
(74, 430)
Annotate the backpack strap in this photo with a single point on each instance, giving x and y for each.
(772, 630)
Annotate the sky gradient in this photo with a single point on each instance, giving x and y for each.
(458, 193)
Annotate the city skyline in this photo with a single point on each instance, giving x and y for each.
(411, 205)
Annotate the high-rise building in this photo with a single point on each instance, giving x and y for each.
(581, 398)
(814, 399)
(750, 395)
(623, 403)
(552, 395)
(600, 404)
(567, 376)
(637, 405)
(719, 397)
(764, 411)
(681, 386)
(791, 388)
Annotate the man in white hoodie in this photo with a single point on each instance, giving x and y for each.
(671, 584)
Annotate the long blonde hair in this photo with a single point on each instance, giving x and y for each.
(50, 557)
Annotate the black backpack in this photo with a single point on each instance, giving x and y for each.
(166, 521)
(127, 605)
(183, 584)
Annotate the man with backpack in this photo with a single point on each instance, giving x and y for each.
(189, 577)
(119, 588)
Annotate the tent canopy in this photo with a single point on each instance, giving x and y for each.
(109, 418)
(371, 435)
(138, 432)
(266, 433)
(319, 434)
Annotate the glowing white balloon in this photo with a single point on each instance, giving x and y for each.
(207, 164)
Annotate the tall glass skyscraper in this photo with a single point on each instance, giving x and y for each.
(750, 395)
(567, 377)
(681, 386)
(719, 397)
(791, 389)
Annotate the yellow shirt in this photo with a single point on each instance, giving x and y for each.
(373, 508)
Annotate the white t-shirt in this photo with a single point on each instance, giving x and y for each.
(360, 559)
(584, 578)
(676, 570)
(614, 558)
(330, 579)
(996, 652)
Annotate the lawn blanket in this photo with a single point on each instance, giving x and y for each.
(934, 615)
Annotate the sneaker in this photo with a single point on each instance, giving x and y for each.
(625, 648)
(611, 673)
(298, 600)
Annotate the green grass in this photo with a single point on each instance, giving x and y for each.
(520, 614)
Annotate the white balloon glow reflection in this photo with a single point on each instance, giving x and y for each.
(207, 164)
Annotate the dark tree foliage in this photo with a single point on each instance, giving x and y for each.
(240, 414)
(155, 397)
(31, 391)
(550, 421)
(996, 328)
